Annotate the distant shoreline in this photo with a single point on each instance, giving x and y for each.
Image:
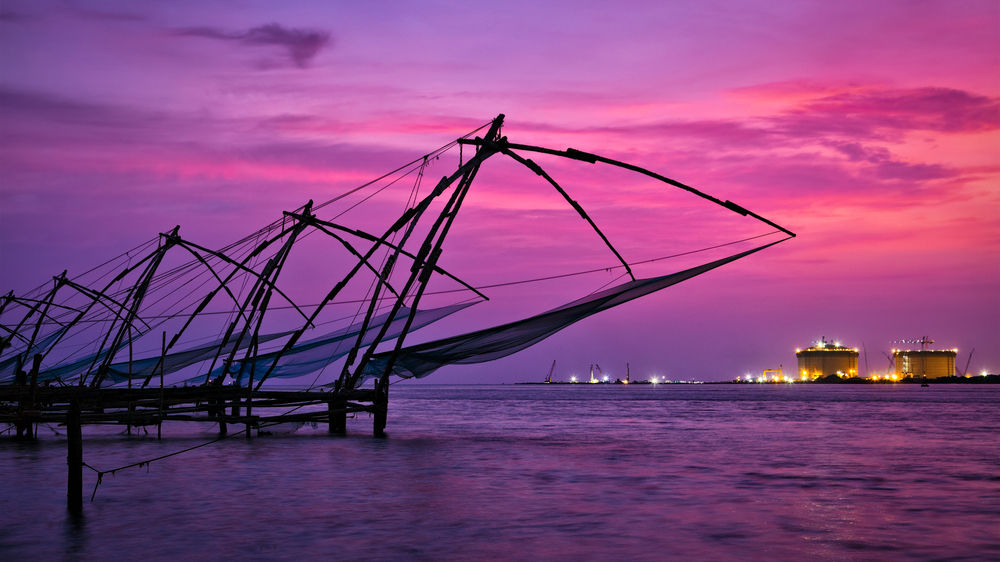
(980, 379)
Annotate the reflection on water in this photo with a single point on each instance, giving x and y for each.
(554, 472)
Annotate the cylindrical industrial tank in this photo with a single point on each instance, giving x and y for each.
(825, 358)
(930, 363)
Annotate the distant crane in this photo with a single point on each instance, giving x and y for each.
(600, 373)
(552, 370)
(965, 371)
(890, 369)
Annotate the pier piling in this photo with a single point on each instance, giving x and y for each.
(74, 459)
(337, 410)
(380, 406)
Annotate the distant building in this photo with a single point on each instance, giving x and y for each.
(930, 363)
(825, 358)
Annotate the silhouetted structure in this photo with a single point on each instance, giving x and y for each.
(173, 330)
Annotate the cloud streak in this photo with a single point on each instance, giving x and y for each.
(301, 45)
(883, 113)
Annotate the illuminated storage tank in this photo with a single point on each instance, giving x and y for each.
(825, 358)
(930, 363)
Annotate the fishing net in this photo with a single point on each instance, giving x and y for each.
(500, 341)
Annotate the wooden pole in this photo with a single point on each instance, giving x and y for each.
(131, 406)
(253, 366)
(74, 459)
(236, 401)
(381, 406)
(337, 410)
(221, 412)
(163, 366)
(21, 381)
(35, 364)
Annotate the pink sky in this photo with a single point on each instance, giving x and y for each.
(871, 129)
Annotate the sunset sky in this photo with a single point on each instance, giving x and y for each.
(871, 129)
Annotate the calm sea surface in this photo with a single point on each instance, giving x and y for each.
(673, 472)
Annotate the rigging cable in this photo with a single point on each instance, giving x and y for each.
(504, 283)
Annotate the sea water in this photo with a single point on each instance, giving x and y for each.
(553, 472)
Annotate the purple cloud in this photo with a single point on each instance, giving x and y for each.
(886, 167)
(871, 113)
(302, 44)
(896, 170)
(856, 152)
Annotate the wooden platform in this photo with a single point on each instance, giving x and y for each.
(25, 406)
